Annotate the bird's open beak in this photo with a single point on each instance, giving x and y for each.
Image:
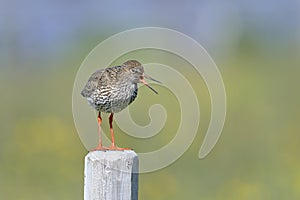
(152, 79)
(145, 83)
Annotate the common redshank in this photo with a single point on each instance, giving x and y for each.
(112, 89)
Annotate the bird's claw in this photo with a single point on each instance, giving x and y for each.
(111, 148)
(115, 148)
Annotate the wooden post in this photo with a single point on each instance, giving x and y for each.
(111, 175)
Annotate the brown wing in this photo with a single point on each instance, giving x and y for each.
(92, 83)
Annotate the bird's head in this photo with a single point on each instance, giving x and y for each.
(136, 73)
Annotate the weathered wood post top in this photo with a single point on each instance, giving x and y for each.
(111, 175)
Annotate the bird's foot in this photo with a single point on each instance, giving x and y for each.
(99, 148)
(115, 148)
(111, 148)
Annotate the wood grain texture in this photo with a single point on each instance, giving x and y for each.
(111, 175)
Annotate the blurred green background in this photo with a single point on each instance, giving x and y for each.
(256, 45)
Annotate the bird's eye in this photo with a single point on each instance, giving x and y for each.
(133, 70)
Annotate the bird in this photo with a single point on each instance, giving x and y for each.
(111, 90)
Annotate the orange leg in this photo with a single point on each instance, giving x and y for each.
(99, 147)
(112, 130)
(113, 145)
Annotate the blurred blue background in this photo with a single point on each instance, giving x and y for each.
(256, 45)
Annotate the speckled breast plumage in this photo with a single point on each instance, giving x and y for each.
(109, 91)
